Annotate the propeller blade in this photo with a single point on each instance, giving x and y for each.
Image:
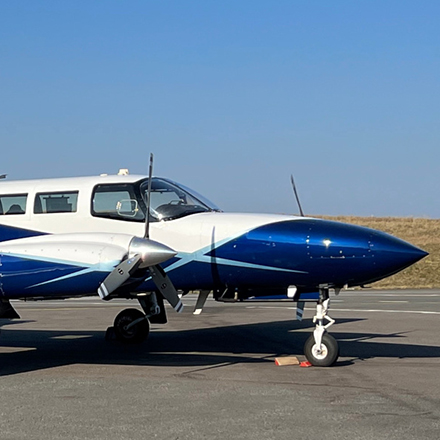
(296, 195)
(158, 275)
(166, 287)
(119, 275)
(147, 214)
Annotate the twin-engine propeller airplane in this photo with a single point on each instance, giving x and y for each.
(71, 237)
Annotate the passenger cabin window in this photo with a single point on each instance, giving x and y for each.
(56, 202)
(13, 204)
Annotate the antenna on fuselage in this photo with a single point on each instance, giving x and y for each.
(147, 214)
(296, 195)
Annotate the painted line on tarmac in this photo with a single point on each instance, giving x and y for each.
(394, 301)
(51, 309)
(418, 312)
(400, 295)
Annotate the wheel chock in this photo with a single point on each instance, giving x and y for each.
(286, 360)
(305, 364)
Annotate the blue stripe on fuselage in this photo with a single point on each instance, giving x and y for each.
(12, 233)
(25, 277)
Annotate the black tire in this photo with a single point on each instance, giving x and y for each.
(134, 335)
(329, 352)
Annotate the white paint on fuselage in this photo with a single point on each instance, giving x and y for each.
(81, 249)
(187, 234)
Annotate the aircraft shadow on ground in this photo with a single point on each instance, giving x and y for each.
(27, 350)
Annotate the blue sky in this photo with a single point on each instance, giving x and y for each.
(231, 97)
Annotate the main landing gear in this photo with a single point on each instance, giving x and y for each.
(321, 349)
(131, 326)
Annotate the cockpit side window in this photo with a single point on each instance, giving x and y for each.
(118, 201)
(169, 201)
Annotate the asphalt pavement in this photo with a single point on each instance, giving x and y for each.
(213, 376)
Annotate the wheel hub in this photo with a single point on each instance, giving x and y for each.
(320, 353)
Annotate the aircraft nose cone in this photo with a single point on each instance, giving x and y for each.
(393, 253)
(151, 252)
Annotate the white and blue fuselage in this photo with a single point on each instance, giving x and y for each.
(62, 237)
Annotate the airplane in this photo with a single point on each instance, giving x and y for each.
(149, 238)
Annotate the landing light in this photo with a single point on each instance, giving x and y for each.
(327, 242)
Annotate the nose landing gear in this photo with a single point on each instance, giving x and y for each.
(321, 349)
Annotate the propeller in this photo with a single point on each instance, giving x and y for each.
(296, 195)
(144, 253)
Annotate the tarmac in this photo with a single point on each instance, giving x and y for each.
(213, 376)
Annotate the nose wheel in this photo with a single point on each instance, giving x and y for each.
(321, 349)
(324, 355)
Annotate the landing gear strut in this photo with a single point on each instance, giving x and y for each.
(321, 349)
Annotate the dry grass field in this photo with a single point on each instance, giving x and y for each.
(421, 232)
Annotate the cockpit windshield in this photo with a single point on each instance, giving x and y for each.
(170, 200)
(128, 201)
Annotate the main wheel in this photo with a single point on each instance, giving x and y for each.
(135, 334)
(325, 357)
